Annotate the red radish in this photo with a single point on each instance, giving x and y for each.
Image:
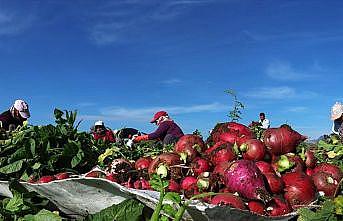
(279, 206)
(230, 137)
(244, 177)
(310, 159)
(142, 184)
(299, 189)
(264, 167)
(275, 183)
(61, 176)
(234, 137)
(95, 174)
(228, 199)
(143, 163)
(217, 176)
(326, 183)
(253, 149)
(230, 132)
(220, 168)
(199, 165)
(309, 171)
(219, 129)
(189, 146)
(173, 186)
(220, 152)
(256, 207)
(189, 186)
(331, 169)
(46, 179)
(224, 190)
(163, 163)
(242, 129)
(269, 156)
(111, 177)
(127, 184)
(282, 140)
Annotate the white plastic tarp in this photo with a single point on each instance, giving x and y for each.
(82, 196)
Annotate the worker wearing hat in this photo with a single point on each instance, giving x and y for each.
(337, 118)
(103, 133)
(15, 116)
(168, 131)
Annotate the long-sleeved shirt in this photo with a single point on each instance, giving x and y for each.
(336, 125)
(107, 136)
(165, 128)
(6, 119)
(265, 124)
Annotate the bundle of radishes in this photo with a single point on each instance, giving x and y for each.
(263, 176)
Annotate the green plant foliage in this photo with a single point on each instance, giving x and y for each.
(129, 209)
(26, 206)
(46, 150)
(326, 213)
(235, 113)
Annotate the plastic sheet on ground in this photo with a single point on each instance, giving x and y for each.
(82, 196)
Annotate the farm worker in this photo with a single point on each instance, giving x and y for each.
(264, 122)
(168, 131)
(101, 132)
(15, 116)
(337, 118)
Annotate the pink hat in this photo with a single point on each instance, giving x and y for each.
(22, 107)
(158, 115)
(336, 111)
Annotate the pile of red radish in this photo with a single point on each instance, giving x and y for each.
(263, 176)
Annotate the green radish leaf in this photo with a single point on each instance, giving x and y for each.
(169, 209)
(174, 197)
(77, 158)
(164, 218)
(339, 204)
(19, 154)
(43, 215)
(24, 176)
(32, 146)
(12, 168)
(129, 209)
(15, 204)
(58, 113)
(36, 166)
(165, 184)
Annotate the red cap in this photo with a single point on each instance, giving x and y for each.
(158, 115)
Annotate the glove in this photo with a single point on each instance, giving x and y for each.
(140, 138)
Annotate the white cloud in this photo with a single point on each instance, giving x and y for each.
(284, 71)
(279, 93)
(12, 24)
(297, 109)
(171, 81)
(272, 92)
(85, 104)
(144, 114)
(115, 23)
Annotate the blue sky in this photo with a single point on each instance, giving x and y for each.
(122, 60)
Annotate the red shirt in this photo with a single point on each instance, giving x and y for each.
(108, 136)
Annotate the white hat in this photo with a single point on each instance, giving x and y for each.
(99, 123)
(336, 111)
(22, 107)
